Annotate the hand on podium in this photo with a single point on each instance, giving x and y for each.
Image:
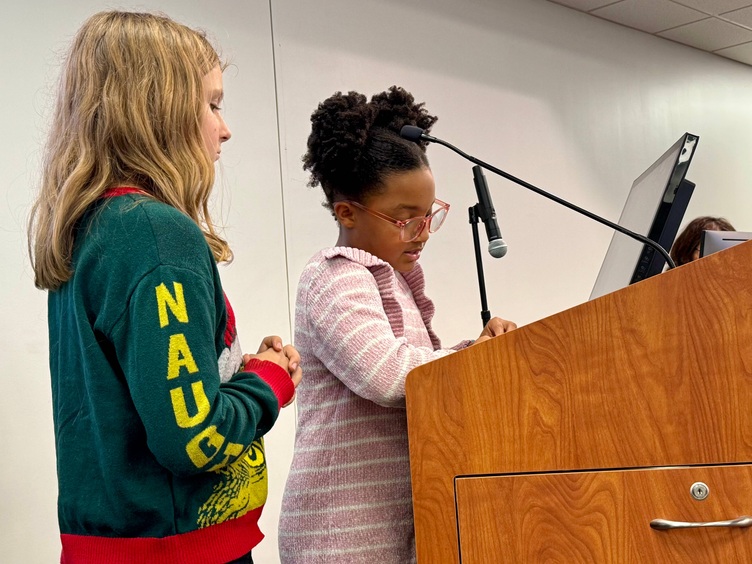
(495, 327)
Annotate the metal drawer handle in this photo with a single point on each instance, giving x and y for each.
(666, 525)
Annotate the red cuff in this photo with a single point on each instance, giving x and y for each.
(274, 375)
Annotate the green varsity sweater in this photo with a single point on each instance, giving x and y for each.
(157, 425)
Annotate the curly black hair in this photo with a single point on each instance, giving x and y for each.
(355, 144)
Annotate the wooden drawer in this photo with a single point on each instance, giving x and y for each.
(603, 516)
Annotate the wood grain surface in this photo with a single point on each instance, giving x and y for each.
(657, 374)
(604, 517)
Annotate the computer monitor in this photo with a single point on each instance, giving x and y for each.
(654, 208)
(714, 241)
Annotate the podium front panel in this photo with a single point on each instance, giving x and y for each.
(658, 374)
(605, 517)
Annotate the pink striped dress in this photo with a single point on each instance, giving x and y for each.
(360, 328)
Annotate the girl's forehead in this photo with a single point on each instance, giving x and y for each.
(409, 185)
(412, 191)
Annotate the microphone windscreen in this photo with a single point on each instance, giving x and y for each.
(497, 248)
(411, 132)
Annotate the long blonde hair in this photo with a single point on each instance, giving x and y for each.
(128, 111)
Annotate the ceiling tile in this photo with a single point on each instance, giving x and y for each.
(710, 34)
(714, 7)
(741, 53)
(723, 27)
(741, 17)
(649, 15)
(584, 5)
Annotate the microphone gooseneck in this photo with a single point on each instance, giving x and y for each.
(414, 133)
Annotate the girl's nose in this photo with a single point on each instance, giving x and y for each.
(224, 131)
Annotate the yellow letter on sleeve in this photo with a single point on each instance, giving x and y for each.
(207, 439)
(179, 355)
(176, 304)
(180, 408)
(232, 449)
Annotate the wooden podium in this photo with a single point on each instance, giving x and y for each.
(563, 440)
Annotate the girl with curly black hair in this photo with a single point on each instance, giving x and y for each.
(362, 323)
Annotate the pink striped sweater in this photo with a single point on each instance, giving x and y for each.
(360, 328)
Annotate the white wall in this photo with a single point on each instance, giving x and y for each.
(574, 104)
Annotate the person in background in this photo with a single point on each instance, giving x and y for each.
(158, 415)
(362, 322)
(686, 247)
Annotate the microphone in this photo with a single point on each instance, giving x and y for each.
(415, 133)
(497, 248)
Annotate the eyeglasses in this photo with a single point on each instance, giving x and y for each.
(410, 229)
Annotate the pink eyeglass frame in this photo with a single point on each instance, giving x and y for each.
(426, 220)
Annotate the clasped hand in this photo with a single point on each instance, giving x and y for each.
(286, 356)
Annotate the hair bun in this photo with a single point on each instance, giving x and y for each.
(355, 144)
(339, 133)
(396, 108)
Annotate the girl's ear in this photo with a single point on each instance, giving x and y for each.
(345, 214)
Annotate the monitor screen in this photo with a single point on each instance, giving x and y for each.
(654, 208)
(714, 241)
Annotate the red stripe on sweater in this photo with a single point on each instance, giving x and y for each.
(230, 330)
(211, 545)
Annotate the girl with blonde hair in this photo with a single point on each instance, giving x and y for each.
(158, 415)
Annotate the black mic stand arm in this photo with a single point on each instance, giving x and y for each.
(578, 209)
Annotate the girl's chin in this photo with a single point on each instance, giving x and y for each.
(405, 265)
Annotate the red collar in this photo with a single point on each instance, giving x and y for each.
(121, 191)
